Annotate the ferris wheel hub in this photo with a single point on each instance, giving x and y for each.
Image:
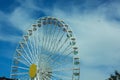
(32, 70)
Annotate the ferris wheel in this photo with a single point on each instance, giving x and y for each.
(48, 51)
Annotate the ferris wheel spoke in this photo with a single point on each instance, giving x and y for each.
(22, 73)
(22, 61)
(52, 37)
(63, 60)
(60, 70)
(62, 44)
(24, 57)
(42, 38)
(42, 76)
(33, 44)
(37, 54)
(58, 49)
(23, 68)
(54, 60)
(39, 51)
(20, 67)
(55, 40)
(51, 61)
(37, 77)
(49, 36)
(39, 42)
(54, 52)
(46, 77)
(32, 48)
(51, 30)
(46, 37)
(30, 53)
(62, 77)
(43, 41)
(67, 48)
(58, 42)
(29, 58)
(65, 51)
(36, 48)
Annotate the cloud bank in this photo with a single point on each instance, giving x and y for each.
(95, 24)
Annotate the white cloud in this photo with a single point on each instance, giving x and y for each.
(3, 16)
(21, 19)
(98, 39)
(10, 38)
(90, 73)
(97, 36)
(29, 4)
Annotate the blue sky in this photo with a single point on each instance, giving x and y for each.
(96, 24)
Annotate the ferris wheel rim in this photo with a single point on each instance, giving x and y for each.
(69, 35)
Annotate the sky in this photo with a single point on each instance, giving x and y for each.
(95, 23)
